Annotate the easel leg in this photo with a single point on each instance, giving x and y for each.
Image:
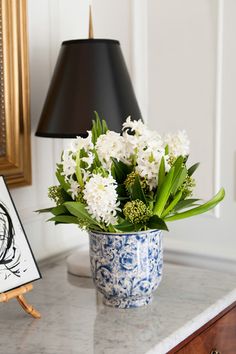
(18, 293)
(28, 308)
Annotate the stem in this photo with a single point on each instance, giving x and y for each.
(78, 170)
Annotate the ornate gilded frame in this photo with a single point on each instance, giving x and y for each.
(15, 150)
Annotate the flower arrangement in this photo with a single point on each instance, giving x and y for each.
(134, 181)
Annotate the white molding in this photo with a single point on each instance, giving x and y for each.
(57, 150)
(199, 261)
(218, 104)
(54, 32)
(139, 53)
(55, 17)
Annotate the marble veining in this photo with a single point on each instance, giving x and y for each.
(74, 320)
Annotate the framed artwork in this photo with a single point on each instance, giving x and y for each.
(17, 263)
(15, 150)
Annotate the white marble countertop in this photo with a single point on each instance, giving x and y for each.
(74, 321)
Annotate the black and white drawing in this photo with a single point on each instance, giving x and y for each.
(17, 263)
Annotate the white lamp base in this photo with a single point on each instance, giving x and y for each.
(78, 262)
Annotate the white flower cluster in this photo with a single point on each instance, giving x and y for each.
(82, 143)
(148, 148)
(69, 162)
(74, 189)
(101, 197)
(178, 144)
(137, 146)
(110, 145)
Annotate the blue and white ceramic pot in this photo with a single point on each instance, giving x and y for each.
(126, 267)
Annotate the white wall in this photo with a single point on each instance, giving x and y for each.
(181, 56)
(191, 85)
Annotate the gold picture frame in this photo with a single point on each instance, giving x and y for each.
(15, 147)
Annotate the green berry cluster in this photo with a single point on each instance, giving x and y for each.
(55, 193)
(137, 212)
(188, 186)
(171, 160)
(83, 223)
(80, 197)
(130, 179)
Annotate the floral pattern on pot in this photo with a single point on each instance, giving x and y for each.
(126, 267)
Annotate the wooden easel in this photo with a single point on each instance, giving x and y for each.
(18, 294)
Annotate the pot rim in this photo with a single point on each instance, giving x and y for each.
(124, 233)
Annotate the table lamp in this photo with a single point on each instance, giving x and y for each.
(90, 75)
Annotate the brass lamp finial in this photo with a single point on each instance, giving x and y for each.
(90, 34)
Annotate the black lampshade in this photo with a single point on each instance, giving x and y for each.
(90, 75)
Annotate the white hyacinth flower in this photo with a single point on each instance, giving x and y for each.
(148, 166)
(110, 145)
(68, 164)
(74, 188)
(101, 197)
(89, 159)
(82, 143)
(136, 126)
(142, 139)
(85, 174)
(178, 144)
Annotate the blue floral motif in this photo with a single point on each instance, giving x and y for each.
(128, 260)
(126, 267)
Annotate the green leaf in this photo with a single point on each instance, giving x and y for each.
(136, 191)
(156, 223)
(99, 127)
(178, 164)
(179, 167)
(96, 128)
(94, 227)
(46, 210)
(125, 226)
(58, 210)
(178, 179)
(104, 127)
(94, 133)
(161, 173)
(164, 192)
(64, 219)
(66, 196)
(121, 191)
(199, 209)
(78, 209)
(61, 179)
(193, 168)
(98, 124)
(120, 170)
(113, 171)
(96, 161)
(183, 204)
(172, 204)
